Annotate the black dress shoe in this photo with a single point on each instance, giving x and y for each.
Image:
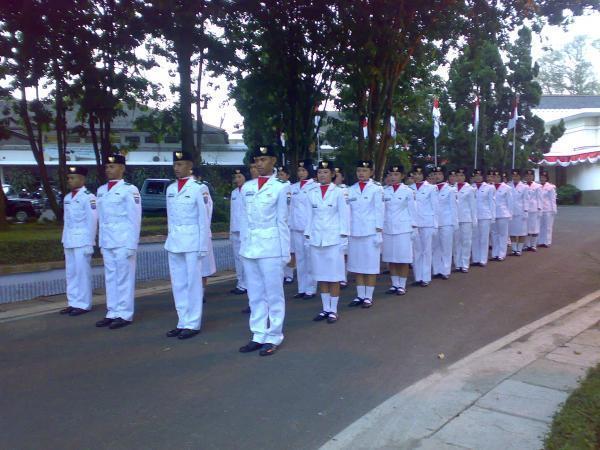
(416, 283)
(424, 284)
(444, 277)
(250, 347)
(77, 312)
(187, 333)
(309, 296)
(246, 310)
(343, 285)
(288, 280)
(367, 303)
(299, 295)
(174, 332)
(392, 290)
(119, 323)
(321, 316)
(356, 302)
(238, 291)
(66, 310)
(104, 322)
(332, 318)
(268, 350)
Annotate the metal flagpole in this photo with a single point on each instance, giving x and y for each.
(435, 151)
(514, 143)
(476, 132)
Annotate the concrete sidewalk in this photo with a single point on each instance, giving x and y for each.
(501, 397)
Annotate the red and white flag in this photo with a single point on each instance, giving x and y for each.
(476, 114)
(514, 114)
(392, 127)
(437, 115)
(364, 123)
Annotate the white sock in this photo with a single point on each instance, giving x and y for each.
(334, 303)
(402, 282)
(360, 291)
(369, 292)
(395, 280)
(325, 299)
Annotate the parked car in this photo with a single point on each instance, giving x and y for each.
(9, 191)
(154, 194)
(23, 209)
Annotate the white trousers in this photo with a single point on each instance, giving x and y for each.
(442, 250)
(237, 259)
(422, 249)
(265, 295)
(481, 241)
(546, 227)
(306, 283)
(78, 271)
(500, 237)
(119, 279)
(463, 238)
(186, 282)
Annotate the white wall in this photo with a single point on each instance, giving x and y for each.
(585, 176)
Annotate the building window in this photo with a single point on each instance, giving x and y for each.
(172, 140)
(155, 187)
(132, 139)
(150, 140)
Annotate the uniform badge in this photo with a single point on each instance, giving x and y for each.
(93, 204)
(136, 198)
(171, 195)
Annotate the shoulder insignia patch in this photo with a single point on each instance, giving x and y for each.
(127, 184)
(376, 183)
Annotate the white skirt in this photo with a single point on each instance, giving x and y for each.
(363, 255)
(208, 262)
(533, 222)
(327, 263)
(517, 226)
(397, 248)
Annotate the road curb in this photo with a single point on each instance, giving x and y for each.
(419, 411)
(28, 311)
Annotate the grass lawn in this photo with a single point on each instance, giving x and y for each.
(577, 425)
(33, 242)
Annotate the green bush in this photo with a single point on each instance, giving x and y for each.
(567, 195)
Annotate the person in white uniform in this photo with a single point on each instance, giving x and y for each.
(120, 219)
(485, 201)
(398, 227)
(427, 222)
(467, 220)
(265, 250)
(284, 174)
(504, 208)
(443, 239)
(187, 245)
(327, 228)
(534, 212)
(209, 266)
(78, 239)
(365, 198)
(340, 181)
(549, 210)
(235, 210)
(517, 226)
(299, 209)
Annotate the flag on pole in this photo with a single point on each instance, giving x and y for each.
(282, 138)
(514, 114)
(476, 114)
(364, 123)
(317, 120)
(392, 127)
(436, 117)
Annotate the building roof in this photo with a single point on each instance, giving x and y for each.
(569, 102)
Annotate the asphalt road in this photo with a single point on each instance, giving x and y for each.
(65, 384)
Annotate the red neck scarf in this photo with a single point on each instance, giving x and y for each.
(74, 192)
(262, 181)
(529, 183)
(302, 183)
(419, 184)
(240, 189)
(324, 188)
(395, 186)
(112, 183)
(460, 185)
(362, 185)
(497, 185)
(440, 186)
(478, 185)
(181, 182)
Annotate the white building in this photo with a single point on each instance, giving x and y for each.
(575, 157)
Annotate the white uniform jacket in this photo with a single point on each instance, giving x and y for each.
(466, 204)
(81, 219)
(400, 210)
(485, 197)
(548, 195)
(264, 230)
(447, 206)
(504, 201)
(427, 204)
(520, 194)
(187, 218)
(120, 216)
(535, 196)
(300, 204)
(366, 208)
(328, 218)
(235, 210)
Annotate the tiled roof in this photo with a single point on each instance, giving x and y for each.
(569, 102)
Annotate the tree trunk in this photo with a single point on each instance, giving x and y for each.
(199, 121)
(3, 202)
(99, 172)
(60, 129)
(183, 50)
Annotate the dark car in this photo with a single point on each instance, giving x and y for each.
(23, 209)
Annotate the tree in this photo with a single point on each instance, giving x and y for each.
(569, 70)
